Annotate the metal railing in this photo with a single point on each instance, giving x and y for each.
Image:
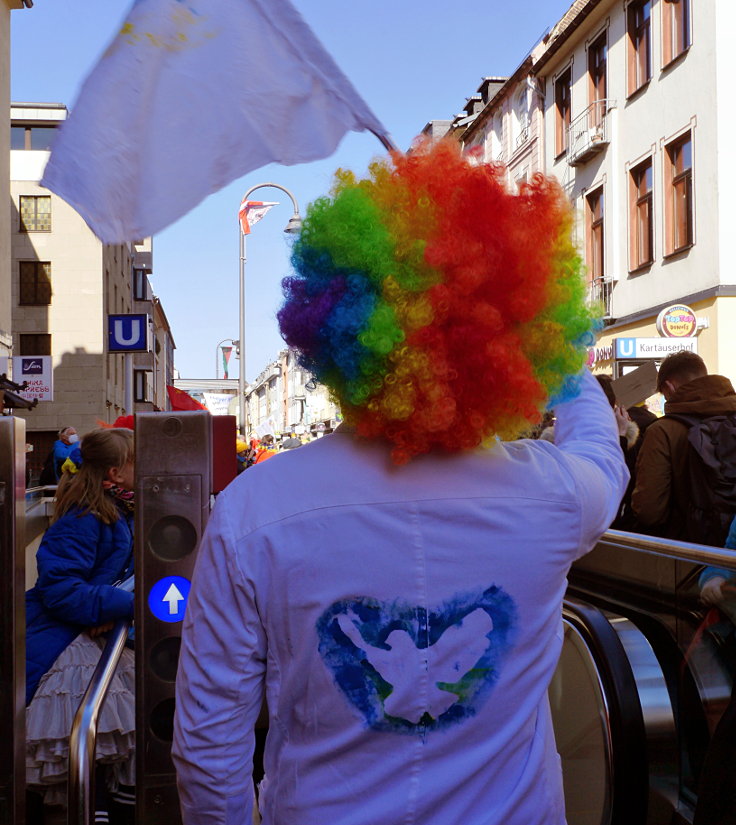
(601, 291)
(699, 553)
(83, 737)
(589, 132)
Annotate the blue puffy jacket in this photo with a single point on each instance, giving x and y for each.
(79, 559)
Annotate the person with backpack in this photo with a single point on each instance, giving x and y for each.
(685, 485)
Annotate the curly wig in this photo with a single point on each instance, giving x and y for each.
(440, 309)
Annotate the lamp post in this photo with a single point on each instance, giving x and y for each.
(293, 226)
(217, 354)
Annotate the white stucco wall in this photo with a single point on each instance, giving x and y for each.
(681, 96)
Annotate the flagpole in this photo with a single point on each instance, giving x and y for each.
(294, 225)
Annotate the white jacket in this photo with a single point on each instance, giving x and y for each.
(404, 623)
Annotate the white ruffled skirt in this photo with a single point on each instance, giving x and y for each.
(50, 715)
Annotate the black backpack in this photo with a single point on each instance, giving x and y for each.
(711, 469)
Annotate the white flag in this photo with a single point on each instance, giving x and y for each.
(251, 212)
(189, 97)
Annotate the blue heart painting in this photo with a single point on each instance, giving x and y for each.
(407, 669)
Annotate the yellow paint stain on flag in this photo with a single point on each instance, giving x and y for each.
(176, 35)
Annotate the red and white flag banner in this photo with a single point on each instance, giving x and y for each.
(252, 211)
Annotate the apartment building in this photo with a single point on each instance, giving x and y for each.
(286, 398)
(509, 129)
(64, 284)
(636, 129)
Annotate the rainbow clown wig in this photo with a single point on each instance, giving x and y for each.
(440, 309)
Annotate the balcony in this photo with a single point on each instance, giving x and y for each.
(600, 291)
(589, 133)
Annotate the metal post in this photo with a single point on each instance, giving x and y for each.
(241, 333)
(128, 403)
(12, 620)
(294, 225)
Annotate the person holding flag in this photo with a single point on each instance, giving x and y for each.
(394, 590)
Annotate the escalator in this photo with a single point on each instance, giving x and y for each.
(643, 679)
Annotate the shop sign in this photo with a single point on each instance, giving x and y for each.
(677, 321)
(36, 371)
(657, 348)
(596, 354)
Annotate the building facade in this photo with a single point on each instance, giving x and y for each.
(625, 103)
(285, 398)
(64, 284)
(509, 129)
(636, 131)
(6, 340)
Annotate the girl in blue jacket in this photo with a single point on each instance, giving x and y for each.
(85, 551)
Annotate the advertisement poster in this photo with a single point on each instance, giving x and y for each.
(37, 371)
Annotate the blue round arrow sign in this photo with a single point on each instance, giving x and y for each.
(168, 598)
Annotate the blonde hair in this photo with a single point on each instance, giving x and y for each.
(101, 450)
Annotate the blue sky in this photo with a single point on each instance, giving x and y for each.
(412, 61)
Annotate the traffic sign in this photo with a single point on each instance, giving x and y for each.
(168, 598)
(127, 333)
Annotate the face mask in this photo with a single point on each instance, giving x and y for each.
(72, 439)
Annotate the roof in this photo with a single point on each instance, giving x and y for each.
(564, 29)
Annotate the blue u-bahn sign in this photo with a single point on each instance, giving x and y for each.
(127, 333)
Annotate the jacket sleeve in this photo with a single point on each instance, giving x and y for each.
(650, 500)
(587, 434)
(220, 684)
(66, 561)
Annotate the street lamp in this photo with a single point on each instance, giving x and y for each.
(217, 354)
(293, 226)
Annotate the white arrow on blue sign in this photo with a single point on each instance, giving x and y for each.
(127, 333)
(168, 598)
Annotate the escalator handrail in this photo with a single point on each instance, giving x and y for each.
(83, 736)
(700, 553)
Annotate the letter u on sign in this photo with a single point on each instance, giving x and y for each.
(134, 332)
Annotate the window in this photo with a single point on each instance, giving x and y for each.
(597, 70)
(520, 120)
(17, 137)
(641, 223)
(640, 44)
(140, 284)
(675, 29)
(563, 110)
(142, 385)
(35, 213)
(38, 138)
(596, 260)
(679, 199)
(35, 283)
(35, 344)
